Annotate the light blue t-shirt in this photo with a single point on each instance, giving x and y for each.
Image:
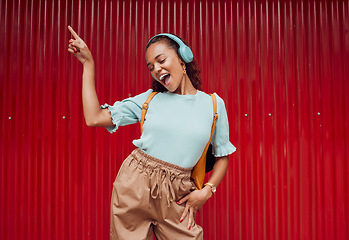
(176, 127)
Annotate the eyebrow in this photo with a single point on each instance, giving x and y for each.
(155, 58)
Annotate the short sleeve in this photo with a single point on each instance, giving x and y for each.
(221, 146)
(127, 111)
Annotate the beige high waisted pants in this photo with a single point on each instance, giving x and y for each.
(144, 198)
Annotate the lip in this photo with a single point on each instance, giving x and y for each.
(162, 77)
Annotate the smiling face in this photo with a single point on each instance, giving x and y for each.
(165, 66)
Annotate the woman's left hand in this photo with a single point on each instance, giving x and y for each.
(193, 202)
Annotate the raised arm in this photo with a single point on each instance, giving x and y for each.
(94, 116)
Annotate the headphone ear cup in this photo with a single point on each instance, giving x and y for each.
(186, 53)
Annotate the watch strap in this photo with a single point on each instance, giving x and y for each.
(213, 187)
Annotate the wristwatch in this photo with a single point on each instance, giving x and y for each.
(213, 187)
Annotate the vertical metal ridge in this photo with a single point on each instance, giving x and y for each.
(345, 9)
(4, 118)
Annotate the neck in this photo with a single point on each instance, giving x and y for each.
(186, 87)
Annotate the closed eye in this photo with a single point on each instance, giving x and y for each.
(161, 62)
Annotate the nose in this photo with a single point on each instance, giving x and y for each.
(157, 69)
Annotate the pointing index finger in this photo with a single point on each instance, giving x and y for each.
(76, 36)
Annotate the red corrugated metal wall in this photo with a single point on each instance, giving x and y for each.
(281, 66)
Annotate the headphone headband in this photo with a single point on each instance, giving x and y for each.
(184, 51)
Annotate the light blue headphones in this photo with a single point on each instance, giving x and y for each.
(184, 51)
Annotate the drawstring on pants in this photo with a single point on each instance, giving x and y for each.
(163, 178)
(160, 179)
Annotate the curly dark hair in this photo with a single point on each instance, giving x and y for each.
(192, 69)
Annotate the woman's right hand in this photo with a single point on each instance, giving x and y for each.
(78, 48)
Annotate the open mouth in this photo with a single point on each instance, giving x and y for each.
(165, 79)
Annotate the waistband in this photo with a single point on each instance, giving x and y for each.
(163, 176)
(146, 158)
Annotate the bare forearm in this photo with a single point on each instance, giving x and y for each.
(89, 96)
(196, 199)
(218, 173)
(219, 170)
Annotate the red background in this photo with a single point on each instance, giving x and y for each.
(280, 66)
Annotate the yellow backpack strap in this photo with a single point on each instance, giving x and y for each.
(214, 100)
(215, 117)
(145, 108)
(198, 172)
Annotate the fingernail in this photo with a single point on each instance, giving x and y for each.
(178, 202)
(181, 220)
(189, 228)
(70, 41)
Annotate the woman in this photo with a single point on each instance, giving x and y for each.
(153, 191)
